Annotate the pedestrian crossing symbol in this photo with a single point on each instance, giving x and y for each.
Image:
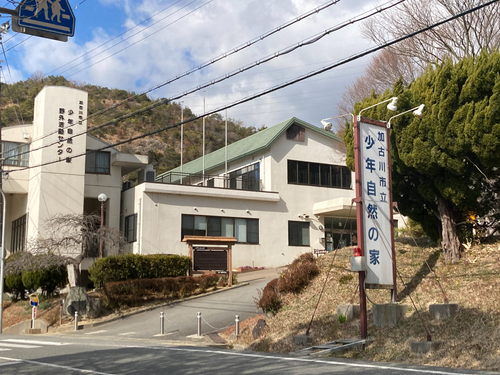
(54, 16)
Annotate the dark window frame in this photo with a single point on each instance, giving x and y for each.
(91, 162)
(314, 174)
(188, 227)
(18, 234)
(20, 158)
(130, 228)
(295, 233)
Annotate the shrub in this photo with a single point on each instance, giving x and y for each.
(14, 284)
(302, 270)
(270, 299)
(133, 266)
(133, 292)
(27, 271)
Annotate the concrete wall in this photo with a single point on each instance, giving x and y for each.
(56, 187)
(160, 206)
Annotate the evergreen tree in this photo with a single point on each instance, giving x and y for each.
(444, 165)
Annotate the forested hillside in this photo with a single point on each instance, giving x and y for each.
(163, 149)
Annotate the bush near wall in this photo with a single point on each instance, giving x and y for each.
(25, 271)
(302, 270)
(134, 266)
(133, 292)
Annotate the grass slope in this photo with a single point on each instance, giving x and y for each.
(470, 338)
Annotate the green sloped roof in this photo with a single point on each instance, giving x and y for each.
(247, 146)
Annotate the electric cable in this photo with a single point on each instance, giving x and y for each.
(262, 93)
(125, 39)
(285, 51)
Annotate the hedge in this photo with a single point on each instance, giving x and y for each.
(134, 266)
(132, 292)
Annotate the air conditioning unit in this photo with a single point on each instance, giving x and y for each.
(126, 185)
(147, 174)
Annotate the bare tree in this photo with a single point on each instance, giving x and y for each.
(76, 237)
(385, 68)
(463, 37)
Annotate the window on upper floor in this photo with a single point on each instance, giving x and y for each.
(247, 178)
(16, 154)
(97, 162)
(244, 230)
(296, 133)
(18, 237)
(317, 174)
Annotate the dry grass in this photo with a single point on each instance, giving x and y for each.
(16, 312)
(470, 339)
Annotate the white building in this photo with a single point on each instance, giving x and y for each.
(49, 169)
(281, 192)
(286, 191)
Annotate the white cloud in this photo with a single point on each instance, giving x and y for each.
(215, 28)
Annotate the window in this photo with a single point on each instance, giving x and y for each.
(247, 178)
(298, 233)
(316, 174)
(97, 162)
(131, 228)
(16, 154)
(244, 230)
(18, 238)
(296, 133)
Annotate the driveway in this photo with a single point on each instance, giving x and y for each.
(218, 311)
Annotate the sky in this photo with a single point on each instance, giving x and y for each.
(136, 45)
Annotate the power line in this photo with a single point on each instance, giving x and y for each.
(262, 93)
(140, 40)
(117, 36)
(285, 51)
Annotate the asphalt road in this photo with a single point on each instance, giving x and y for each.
(44, 355)
(218, 311)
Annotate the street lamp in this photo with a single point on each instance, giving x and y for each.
(391, 106)
(102, 198)
(328, 125)
(417, 111)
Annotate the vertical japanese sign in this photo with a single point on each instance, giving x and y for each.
(376, 192)
(68, 118)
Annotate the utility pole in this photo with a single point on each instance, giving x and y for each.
(3, 30)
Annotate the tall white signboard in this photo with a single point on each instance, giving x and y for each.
(377, 204)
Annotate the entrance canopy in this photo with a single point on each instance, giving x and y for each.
(339, 207)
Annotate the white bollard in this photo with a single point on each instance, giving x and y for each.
(162, 324)
(76, 320)
(199, 323)
(237, 326)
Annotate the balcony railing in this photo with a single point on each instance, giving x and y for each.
(224, 182)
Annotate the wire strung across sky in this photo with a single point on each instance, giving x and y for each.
(268, 91)
(268, 58)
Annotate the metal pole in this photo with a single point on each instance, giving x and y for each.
(182, 136)
(199, 323)
(162, 324)
(2, 255)
(237, 326)
(33, 312)
(100, 234)
(203, 161)
(76, 320)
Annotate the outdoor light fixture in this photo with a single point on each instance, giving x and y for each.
(328, 125)
(393, 105)
(101, 198)
(417, 111)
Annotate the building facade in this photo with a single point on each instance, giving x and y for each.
(281, 192)
(53, 167)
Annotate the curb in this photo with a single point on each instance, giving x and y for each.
(70, 326)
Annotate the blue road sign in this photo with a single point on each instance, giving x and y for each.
(54, 16)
